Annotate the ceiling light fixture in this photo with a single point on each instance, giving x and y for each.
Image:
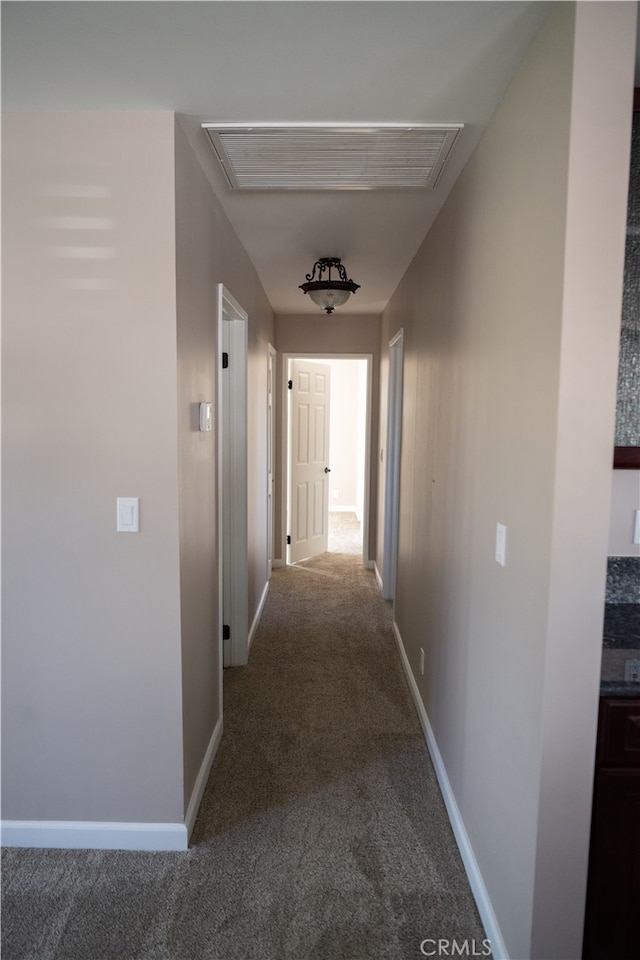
(325, 291)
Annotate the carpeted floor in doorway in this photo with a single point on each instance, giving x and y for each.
(345, 533)
(322, 834)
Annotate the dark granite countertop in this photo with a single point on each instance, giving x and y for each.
(622, 626)
(621, 641)
(614, 688)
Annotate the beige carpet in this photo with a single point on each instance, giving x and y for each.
(322, 834)
(345, 533)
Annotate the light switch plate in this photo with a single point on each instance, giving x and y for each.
(128, 515)
(501, 544)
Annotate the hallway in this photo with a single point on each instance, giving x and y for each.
(322, 833)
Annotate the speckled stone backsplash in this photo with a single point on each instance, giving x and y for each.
(623, 580)
(628, 404)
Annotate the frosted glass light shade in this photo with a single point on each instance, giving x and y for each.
(329, 299)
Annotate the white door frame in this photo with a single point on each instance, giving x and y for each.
(271, 451)
(232, 495)
(284, 446)
(392, 472)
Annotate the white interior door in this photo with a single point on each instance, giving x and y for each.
(310, 393)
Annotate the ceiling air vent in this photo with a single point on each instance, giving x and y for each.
(309, 156)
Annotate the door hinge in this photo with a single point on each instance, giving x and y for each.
(290, 384)
(225, 360)
(289, 539)
(226, 631)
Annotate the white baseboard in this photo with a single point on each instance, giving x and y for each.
(256, 619)
(478, 888)
(378, 577)
(77, 835)
(203, 776)
(80, 835)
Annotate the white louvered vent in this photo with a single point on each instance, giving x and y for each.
(336, 157)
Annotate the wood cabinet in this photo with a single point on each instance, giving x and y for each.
(612, 927)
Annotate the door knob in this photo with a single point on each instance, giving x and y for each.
(327, 470)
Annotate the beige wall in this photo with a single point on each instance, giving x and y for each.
(625, 500)
(511, 312)
(208, 253)
(309, 334)
(91, 618)
(110, 665)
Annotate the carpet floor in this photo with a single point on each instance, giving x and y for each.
(322, 834)
(345, 533)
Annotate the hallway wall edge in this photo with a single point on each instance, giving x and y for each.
(478, 888)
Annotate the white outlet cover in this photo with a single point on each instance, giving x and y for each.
(632, 670)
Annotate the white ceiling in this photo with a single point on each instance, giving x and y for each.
(300, 61)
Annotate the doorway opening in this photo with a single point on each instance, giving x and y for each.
(326, 420)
